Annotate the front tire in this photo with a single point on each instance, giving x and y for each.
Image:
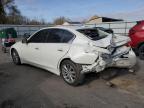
(71, 73)
(141, 52)
(15, 57)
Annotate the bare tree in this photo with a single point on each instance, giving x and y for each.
(10, 14)
(10, 7)
(8, 11)
(60, 20)
(2, 13)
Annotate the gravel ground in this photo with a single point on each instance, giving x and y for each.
(30, 87)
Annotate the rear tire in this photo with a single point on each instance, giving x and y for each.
(141, 52)
(71, 73)
(15, 57)
(4, 49)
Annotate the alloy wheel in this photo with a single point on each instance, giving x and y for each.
(68, 73)
(15, 57)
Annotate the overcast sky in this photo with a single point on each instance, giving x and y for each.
(82, 9)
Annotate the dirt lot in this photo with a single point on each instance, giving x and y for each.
(29, 87)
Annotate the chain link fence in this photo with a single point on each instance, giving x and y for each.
(22, 29)
(118, 27)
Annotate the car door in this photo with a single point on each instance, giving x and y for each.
(32, 50)
(57, 45)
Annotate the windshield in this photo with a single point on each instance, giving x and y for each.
(93, 34)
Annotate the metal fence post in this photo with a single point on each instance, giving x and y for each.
(18, 31)
(29, 30)
(125, 28)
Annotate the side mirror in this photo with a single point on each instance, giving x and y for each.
(26, 35)
(24, 40)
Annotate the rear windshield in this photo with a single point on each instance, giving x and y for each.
(93, 34)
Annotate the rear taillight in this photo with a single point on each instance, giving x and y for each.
(6, 40)
(139, 22)
(128, 44)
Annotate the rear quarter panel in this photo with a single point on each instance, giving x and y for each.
(78, 55)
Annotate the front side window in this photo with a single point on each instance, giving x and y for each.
(59, 36)
(39, 37)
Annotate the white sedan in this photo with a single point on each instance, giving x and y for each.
(72, 52)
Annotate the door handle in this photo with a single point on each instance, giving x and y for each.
(37, 48)
(61, 50)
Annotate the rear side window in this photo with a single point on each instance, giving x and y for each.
(55, 36)
(67, 36)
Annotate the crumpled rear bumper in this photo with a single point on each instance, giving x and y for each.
(125, 60)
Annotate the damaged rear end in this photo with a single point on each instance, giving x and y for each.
(105, 50)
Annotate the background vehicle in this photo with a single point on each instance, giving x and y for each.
(7, 36)
(136, 34)
(72, 52)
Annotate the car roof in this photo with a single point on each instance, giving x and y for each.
(69, 27)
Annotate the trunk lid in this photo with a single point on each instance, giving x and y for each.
(112, 40)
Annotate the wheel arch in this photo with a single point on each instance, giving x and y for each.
(140, 44)
(12, 49)
(79, 76)
(59, 65)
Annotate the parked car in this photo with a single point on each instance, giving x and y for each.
(72, 52)
(136, 34)
(7, 37)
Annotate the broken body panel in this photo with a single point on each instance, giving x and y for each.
(107, 52)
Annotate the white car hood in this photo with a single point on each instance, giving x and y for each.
(117, 40)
